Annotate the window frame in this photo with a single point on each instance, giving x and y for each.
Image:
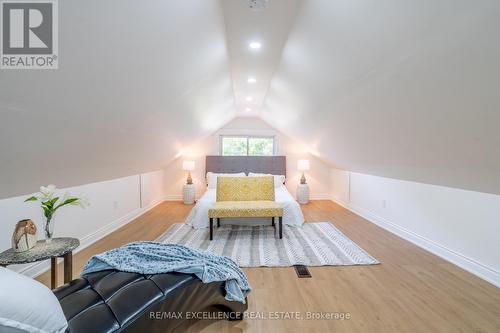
(247, 137)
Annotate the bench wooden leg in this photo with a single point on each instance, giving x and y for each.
(281, 227)
(218, 222)
(211, 228)
(273, 222)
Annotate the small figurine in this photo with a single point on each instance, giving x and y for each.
(25, 236)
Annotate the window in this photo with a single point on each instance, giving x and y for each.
(247, 146)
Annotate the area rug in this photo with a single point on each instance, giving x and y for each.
(313, 244)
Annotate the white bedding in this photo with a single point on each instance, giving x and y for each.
(292, 215)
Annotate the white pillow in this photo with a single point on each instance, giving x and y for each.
(212, 177)
(28, 306)
(278, 179)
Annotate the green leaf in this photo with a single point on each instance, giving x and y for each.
(47, 212)
(50, 203)
(71, 200)
(33, 198)
(67, 202)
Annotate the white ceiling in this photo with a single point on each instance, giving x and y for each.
(137, 81)
(399, 88)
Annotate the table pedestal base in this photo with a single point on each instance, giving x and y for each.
(68, 269)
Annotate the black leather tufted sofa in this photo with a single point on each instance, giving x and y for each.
(113, 301)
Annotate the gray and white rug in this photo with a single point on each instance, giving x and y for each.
(315, 244)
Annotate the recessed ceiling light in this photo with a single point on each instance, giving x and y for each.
(251, 80)
(248, 109)
(249, 98)
(255, 45)
(257, 4)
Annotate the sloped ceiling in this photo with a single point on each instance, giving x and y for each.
(397, 88)
(137, 81)
(270, 27)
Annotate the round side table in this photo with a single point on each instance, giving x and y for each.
(303, 194)
(188, 194)
(56, 248)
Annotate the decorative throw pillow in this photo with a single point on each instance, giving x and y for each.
(212, 177)
(28, 306)
(279, 180)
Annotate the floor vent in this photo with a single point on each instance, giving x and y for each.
(302, 271)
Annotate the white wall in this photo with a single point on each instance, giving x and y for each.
(458, 225)
(340, 185)
(113, 203)
(318, 177)
(152, 188)
(397, 88)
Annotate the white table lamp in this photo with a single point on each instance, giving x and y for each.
(303, 165)
(188, 166)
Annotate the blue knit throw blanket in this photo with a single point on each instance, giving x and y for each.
(154, 258)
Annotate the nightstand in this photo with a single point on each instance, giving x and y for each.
(188, 194)
(303, 194)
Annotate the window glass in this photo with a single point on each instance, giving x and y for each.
(234, 146)
(247, 146)
(260, 146)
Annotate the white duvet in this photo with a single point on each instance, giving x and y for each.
(292, 215)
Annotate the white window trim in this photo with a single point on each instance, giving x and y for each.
(222, 136)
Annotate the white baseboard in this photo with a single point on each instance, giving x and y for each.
(484, 272)
(319, 197)
(173, 197)
(341, 203)
(38, 268)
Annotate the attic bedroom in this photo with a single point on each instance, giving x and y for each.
(249, 166)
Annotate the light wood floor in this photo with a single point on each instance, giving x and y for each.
(411, 291)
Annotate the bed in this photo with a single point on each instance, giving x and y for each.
(276, 165)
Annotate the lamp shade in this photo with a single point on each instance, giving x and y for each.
(188, 165)
(303, 165)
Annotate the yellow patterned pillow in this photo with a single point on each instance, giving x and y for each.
(245, 188)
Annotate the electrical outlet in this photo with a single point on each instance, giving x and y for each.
(384, 204)
(115, 205)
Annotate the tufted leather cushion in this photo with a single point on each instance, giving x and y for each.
(113, 301)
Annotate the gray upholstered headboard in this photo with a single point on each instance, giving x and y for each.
(275, 165)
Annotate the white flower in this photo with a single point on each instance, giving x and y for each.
(47, 192)
(62, 199)
(82, 202)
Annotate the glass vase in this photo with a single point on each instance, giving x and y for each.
(49, 229)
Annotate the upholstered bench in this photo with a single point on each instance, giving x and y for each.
(112, 301)
(245, 197)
